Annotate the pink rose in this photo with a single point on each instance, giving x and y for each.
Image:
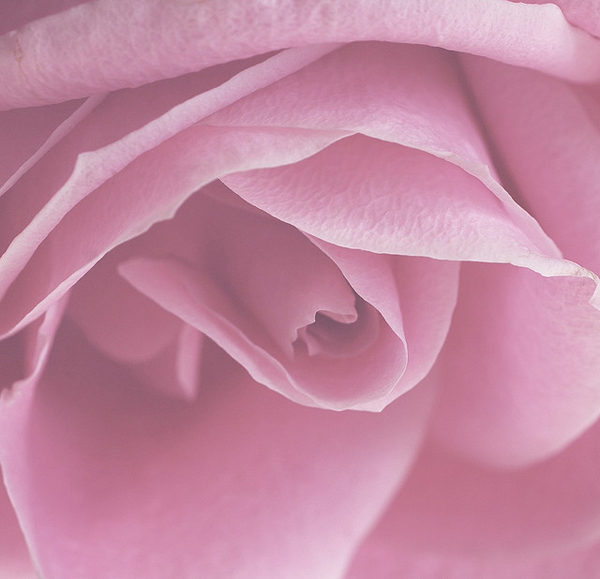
(299, 289)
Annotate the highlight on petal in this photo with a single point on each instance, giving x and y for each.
(584, 14)
(55, 58)
(14, 556)
(151, 486)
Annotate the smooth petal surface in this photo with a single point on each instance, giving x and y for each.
(521, 366)
(141, 472)
(453, 516)
(55, 58)
(15, 562)
(520, 369)
(391, 564)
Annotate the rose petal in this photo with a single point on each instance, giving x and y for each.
(117, 133)
(149, 194)
(215, 480)
(391, 564)
(417, 302)
(279, 277)
(39, 64)
(257, 286)
(520, 367)
(29, 350)
(524, 351)
(582, 13)
(118, 320)
(533, 119)
(395, 562)
(176, 368)
(420, 102)
(129, 328)
(453, 516)
(17, 13)
(14, 556)
(373, 195)
(30, 133)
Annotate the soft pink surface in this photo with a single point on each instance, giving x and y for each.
(14, 556)
(276, 303)
(454, 518)
(56, 58)
(112, 481)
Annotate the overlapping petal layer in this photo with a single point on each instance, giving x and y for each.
(521, 367)
(533, 522)
(195, 35)
(144, 192)
(320, 334)
(151, 486)
(355, 319)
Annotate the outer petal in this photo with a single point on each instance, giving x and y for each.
(410, 95)
(520, 368)
(126, 169)
(547, 135)
(241, 483)
(455, 519)
(521, 364)
(373, 195)
(55, 58)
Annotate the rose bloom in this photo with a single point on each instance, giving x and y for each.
(299, 289)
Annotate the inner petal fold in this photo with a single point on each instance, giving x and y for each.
(272, 299)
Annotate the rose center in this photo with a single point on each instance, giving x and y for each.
(339, 335)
